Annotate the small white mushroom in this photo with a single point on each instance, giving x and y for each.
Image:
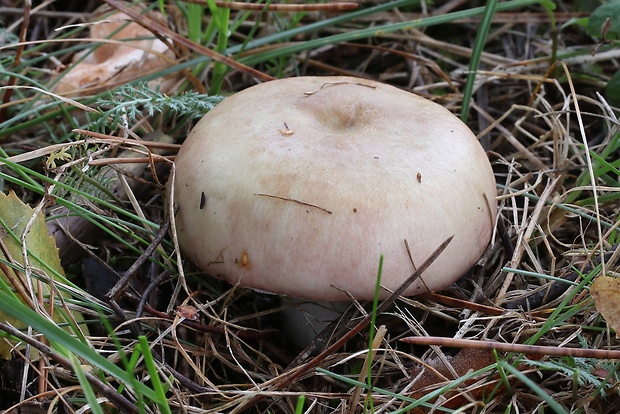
(297, 186)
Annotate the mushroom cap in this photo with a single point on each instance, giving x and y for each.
(297, 186)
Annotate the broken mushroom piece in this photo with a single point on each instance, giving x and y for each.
(297, 186)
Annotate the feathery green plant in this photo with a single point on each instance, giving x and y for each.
(130, 102)
(581, 369)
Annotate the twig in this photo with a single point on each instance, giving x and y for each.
(128, 141)
(137, 160)
(287, 8)
(518, 348)
(200, 327)
(156, 282)
(463, 304)
(120, 285)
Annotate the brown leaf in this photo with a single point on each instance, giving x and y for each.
(117, 63)
(435, 373)
(188, 312)
(606, 294)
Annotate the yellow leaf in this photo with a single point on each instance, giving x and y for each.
(43, 259)
(606, 294)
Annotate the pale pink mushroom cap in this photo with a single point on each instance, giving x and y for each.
(297, 186)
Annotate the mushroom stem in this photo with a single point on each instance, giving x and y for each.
(302, 320)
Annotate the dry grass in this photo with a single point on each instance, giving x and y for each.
(220, 349)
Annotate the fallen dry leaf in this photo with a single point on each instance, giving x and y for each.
(606, 294)
(435, 373)
(112, 63)
(188, 312)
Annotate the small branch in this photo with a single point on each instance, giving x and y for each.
(137, 160)
(456, 303)
(518, 348)
(128, 141)
(200, 327)
(113, 294)
(288, 8)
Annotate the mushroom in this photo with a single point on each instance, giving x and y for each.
(298, 186)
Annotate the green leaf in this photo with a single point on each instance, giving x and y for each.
(158, 387)
(89, 393)
(46, 273)
(612, 90)
(549, 5)
(476, 55)
(611, 11)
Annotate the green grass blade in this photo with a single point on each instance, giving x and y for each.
(376, 31)
(555, 406)
(299, 407)
(149, 362)
(89, 393)
(371, 336)
(476, 54)
(66, 344)
(313, 27)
